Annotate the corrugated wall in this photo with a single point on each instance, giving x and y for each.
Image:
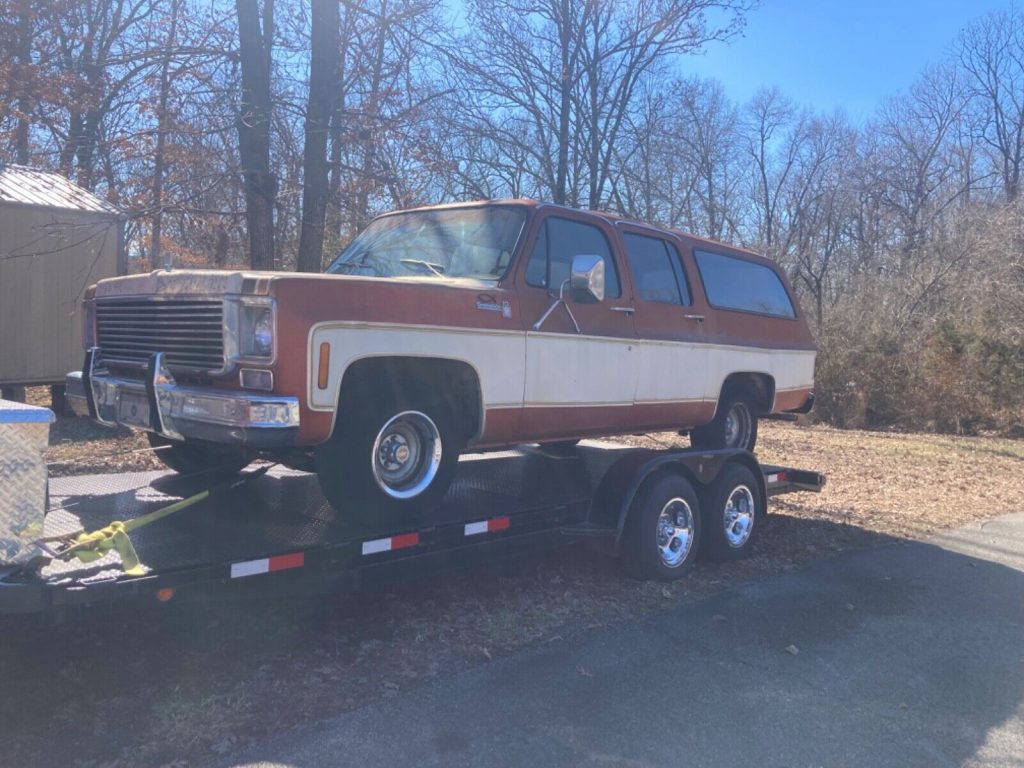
(47, 258)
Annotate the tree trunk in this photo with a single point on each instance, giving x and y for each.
(254, 50)
(161, 138)
(323, 71)
(564, 106)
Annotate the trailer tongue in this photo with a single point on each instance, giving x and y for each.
(273, 531)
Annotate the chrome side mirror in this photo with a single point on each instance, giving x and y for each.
(586, 279)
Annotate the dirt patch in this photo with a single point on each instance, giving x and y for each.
(187, 683)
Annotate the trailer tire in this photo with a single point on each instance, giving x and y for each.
(663, 529)
(734, 425)
(732, 510)
(390, 461)
(191, 458)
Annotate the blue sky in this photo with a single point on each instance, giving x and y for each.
(829, 54)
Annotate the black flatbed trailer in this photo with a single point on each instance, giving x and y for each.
(276, 534)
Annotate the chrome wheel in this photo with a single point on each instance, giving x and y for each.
(738, 519)
(738, 426)
(406, 454)
(675, 532)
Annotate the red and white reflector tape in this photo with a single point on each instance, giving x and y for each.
(487, 526)
(779, 477)
(268, 565)
(391, 543)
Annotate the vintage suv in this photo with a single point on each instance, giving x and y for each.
(477, 325)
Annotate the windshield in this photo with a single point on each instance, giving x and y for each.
(448, 243)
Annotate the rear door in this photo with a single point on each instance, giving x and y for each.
(672, 342)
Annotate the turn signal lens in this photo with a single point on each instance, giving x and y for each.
(324, 365)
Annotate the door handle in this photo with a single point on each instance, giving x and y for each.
(627, 310)
(698, 318)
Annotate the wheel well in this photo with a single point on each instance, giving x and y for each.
(455, 381)
(761, 386)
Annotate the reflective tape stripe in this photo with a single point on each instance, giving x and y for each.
(401, 541)
(777, 478)
(487, 526)
(268, 565)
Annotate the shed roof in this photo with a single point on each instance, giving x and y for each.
(30, 186)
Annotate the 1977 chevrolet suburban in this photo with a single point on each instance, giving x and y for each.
(437, 329)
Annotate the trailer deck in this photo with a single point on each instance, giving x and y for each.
(280, 525)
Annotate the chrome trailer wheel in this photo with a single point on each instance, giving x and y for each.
(675, 532)
(733, 511)
(663, 529)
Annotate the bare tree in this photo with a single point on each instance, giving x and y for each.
(991, 53)
(323, 74)
(255, 54)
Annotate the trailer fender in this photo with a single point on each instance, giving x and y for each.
(620, 484)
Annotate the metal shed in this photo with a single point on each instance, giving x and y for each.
(56, 238)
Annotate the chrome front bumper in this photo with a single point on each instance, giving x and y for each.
(158, 404)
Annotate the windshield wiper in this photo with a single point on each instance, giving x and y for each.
(437, 269)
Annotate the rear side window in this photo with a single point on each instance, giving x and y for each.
(657, 270)
(733, 283)
(557, 242)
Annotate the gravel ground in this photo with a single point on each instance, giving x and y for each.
(181, 685)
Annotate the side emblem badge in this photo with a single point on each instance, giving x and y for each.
(489, 303)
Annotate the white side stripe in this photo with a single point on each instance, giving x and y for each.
(375, 546)
(250, 568)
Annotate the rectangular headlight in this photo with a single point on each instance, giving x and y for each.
(256, 329)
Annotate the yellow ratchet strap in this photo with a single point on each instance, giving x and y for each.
(91, 546)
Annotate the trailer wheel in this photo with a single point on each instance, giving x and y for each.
(392, 461)
(732, 511)
(663, 529)
(190, 458)
(734, 425)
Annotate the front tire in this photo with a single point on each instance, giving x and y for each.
(391, 462)
(734, 425)
(190, 458)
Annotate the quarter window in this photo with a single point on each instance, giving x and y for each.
(657, 270)
(557, 242)
(733, 283)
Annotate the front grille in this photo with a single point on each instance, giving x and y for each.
(188, 331)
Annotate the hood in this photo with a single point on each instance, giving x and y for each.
(187, 282)
(209, 282)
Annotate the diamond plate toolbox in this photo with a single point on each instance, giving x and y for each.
(24, 434)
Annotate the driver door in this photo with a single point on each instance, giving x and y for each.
(582, 382)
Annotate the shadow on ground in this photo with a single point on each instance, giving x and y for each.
(197, 680)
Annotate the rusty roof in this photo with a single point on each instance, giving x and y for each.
(30, 186)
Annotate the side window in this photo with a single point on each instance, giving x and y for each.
(537, 266)
(733, 283)
(558, 241)
(657, 270)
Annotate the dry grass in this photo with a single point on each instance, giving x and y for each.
(194, 682)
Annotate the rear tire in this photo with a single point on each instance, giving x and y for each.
(191, 458)
(663, 529)
(733, 513)
(390, 461)
(734, 425)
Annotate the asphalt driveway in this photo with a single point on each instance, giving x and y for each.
(909, 655)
